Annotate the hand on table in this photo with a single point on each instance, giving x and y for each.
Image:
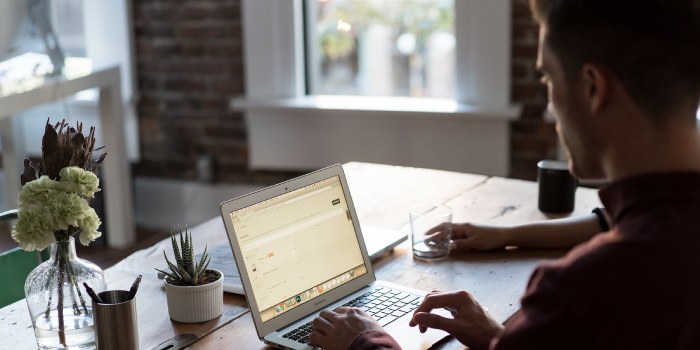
(470, 236)
(337, 329)
(471, 324)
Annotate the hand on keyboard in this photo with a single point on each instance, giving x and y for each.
(386, 304)
(471, 324)
(337, 329)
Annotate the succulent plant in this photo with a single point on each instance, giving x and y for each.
(186, 271)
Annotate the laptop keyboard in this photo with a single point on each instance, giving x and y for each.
(383, 303)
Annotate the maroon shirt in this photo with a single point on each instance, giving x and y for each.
(634, 287)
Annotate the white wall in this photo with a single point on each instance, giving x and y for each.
(303, 139)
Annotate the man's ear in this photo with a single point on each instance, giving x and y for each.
(596, 87)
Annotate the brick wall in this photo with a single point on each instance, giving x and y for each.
(190, 62)
(532, 139)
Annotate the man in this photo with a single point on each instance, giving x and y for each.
(624, 81)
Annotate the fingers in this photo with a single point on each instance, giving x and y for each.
(462, 231)
(413, 324)
(463, 244)
(468, 236)
(322, 326)
(427, 320)
(327, 314)
(439, 300)
(450, 301)
(317, 339)
(340, 326)
(442, 228)
(344, 309)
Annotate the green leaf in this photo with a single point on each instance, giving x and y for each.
(183, 246)
(177, 272)
(187, 270)
(176, 250)
(186, 277)
(206, 265)
(169, 263)
(201, 261)
(169, 275)
(190, 257)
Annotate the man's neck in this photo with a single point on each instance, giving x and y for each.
(649, 149)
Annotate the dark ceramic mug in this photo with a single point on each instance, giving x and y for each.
(557, 188)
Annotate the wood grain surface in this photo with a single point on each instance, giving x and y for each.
(382, 195)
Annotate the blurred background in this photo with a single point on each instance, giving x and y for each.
(206, 85)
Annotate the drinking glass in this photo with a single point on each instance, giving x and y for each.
(431, 230)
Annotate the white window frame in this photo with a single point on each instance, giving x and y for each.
(290, 130)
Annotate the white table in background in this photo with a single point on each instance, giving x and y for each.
(115, 169)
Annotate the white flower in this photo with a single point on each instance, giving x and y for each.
(48, 207)
(80, 181)
(66, 209)
(88, 236)
(34, 229)
(89, 224)
(38, 191)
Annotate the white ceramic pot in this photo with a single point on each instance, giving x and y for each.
(192, 304)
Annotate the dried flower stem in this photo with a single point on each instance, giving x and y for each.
(65, 272)
(74, 284)
(46, 286)
(61, 323)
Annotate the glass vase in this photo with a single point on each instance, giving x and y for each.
(60, 309)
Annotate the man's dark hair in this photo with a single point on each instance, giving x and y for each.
(651, 46)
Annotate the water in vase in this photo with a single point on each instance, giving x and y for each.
(79, 330)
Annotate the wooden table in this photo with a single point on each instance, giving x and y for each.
(382, 195)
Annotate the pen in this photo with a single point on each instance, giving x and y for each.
(92, 294)
(134, 287)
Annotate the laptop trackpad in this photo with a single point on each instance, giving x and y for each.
(410, 338)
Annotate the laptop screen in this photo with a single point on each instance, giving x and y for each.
(298, 246)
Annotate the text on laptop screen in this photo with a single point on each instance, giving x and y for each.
(298, 246)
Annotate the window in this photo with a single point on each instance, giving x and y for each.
(276, 55)
(381, 47)
(291, 125)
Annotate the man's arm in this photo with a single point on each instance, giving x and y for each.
(557, 233)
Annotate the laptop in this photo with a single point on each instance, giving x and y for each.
(379, 241)
(299, 249)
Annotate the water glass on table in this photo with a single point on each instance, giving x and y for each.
(431, 230)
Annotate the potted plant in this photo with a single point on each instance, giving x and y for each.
(53, 207)
(194, 292)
